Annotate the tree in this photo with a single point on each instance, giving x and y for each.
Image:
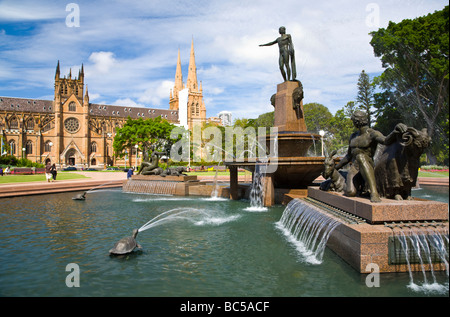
(415, 56)
(265, 120)
(341, 129)
(349, 108)
(317, 117)
(148, 134)
(364, 97)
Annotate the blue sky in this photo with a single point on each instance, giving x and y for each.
(129, 48)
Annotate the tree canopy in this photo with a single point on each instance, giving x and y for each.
(148, 134)
(415, 55)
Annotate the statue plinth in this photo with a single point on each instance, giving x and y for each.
(287, 118)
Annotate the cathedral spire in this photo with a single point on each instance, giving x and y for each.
(178, 76)
(81, 75)
(192, 83)
(57, 74)
(86, 96)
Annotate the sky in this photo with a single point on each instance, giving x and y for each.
(129, 48)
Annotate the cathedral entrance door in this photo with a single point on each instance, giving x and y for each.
(70, 157)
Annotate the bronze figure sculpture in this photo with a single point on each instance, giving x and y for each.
(286, 53)
(297, 97)
(361, 150)
(151, 167)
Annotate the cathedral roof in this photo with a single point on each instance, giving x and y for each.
(133, 112)
(46, 106)
(25, 105)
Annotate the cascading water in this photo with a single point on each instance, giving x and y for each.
(423, 248)
(257, 189)
(307, 228)
(150, 187)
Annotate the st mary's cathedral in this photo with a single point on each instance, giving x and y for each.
(71, 131)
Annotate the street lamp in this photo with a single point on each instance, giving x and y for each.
(23, 151)
(135, 163)
(322, 133)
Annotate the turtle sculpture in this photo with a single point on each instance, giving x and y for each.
(126, 245)
(80, 196)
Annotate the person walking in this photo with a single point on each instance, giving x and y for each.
(54, 172)
(1, 171)
(48, 172)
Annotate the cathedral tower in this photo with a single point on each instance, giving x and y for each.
(196, 110)
(71, 112)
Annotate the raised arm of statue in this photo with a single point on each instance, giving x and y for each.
(270, 43)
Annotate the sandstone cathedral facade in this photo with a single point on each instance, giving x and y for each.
(71, 131)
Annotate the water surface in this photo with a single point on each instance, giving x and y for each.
(218, 249)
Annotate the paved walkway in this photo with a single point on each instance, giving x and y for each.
(103, 179)
(116, 179)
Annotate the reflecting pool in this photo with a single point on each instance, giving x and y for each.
(217, 248)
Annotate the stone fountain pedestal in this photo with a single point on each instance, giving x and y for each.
(155, 184)
(370, 235)
(185, 185)
(291, 169)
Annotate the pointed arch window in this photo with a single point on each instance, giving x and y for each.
(29, 147)
(14, 123)
(93, 147)
(72, 106)
(30, 124)
(12, 147)
(48, 146)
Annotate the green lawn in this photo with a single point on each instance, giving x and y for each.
(37, 178)
(432, 174)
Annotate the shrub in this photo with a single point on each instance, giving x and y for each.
(9, 160)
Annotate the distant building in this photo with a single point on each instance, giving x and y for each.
(226, 118)
(215, 120)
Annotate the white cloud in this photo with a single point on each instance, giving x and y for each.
(102, 61)
(157, 93)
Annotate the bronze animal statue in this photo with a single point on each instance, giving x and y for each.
(335, 180)
(396, 169)
(176, 171)
(126, 245)
(80, 196)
